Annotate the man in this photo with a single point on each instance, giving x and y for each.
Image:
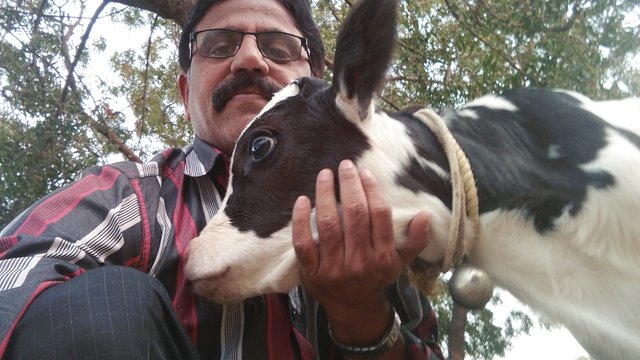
(58, 300)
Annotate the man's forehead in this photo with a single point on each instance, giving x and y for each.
(249, 15)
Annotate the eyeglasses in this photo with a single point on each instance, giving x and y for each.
(223, 43)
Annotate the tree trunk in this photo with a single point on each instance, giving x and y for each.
(176, 10)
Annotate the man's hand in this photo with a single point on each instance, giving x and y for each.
(356, 257)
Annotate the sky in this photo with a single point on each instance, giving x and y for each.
(554, 344)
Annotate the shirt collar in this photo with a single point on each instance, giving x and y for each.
(201, 158)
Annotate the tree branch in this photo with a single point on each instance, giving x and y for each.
(504, 56)
(176, 10)
(70, 84)
(566, 27)
(390, 103)
(40, 15)
(145, 86)
(65, 49)
(74, 63)
(403, 78)
(115, 140)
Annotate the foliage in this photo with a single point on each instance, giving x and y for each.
(450, 50)
(45, 140)
(59, 115)
(149, 76)
(485, 337)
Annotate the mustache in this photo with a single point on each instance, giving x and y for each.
(241, 82)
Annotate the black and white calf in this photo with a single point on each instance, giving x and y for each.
(558, 179)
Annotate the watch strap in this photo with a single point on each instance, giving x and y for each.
(382, 347)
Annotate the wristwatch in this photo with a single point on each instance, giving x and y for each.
(382, 347)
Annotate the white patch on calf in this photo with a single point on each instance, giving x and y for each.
(285, 93)
(240, 265)
(616, 112)
(555, 275)
(621, 199)
(390, 157)
(288, 91)
(472, 114)
(554, 151)
(586, 265)
(350, 108)
(493, 102)
(387, 160)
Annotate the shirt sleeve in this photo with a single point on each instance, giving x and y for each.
(98, 220)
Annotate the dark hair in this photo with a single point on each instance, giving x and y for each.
(299, 9)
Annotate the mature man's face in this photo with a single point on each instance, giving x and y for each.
(221, 95)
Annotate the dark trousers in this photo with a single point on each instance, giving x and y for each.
(107, 313)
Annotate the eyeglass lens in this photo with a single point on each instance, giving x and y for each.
(220, 43)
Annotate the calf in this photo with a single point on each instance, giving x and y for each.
(556, 173)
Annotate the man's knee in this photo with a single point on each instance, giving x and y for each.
(111, 312)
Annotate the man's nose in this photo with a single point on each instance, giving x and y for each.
(249, 57)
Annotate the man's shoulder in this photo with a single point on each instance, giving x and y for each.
(161, 165)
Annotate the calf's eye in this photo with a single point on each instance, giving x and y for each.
(261, 147)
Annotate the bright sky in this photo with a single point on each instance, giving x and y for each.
(557, 344)
(554, 344)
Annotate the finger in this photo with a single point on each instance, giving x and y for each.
(379, 212)
(305, 247)
(355, 210)
(327, 216)
(417, 237)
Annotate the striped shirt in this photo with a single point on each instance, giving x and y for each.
(143, 216)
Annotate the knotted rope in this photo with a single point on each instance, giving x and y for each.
(464, 204)
(465, 194)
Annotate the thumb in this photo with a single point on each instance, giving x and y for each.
(417, 237)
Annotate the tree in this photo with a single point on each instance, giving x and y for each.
(58, 115)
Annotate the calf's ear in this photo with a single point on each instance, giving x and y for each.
(364, 48)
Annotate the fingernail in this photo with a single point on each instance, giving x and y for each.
(366, 174)
(347, 164)
(325, 175)
(301, 202)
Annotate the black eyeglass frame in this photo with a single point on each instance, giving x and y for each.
(194, 36)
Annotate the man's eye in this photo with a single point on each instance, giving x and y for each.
(220, 49)
(279, 46)
(278, 51)
(261, 147)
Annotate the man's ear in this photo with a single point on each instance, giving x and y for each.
(364, 49)
(183, 85)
